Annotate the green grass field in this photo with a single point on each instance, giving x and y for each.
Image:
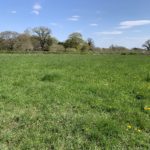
(73, 102)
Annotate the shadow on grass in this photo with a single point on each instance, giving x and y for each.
(51, 77)
(147, 79)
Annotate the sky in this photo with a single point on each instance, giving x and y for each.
(119, 22)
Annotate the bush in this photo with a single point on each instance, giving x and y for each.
(57, 48)
(132, 53)
(123, 53)
(71, 50)
(85, 48)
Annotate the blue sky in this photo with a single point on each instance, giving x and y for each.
(121, 22)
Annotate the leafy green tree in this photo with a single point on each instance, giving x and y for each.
(75, 40)
(75, 35)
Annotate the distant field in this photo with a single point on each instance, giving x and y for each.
(73, 102)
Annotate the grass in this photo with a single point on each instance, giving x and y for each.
(148, 77)
(71, 102)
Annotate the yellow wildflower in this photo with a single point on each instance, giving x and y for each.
(129, 126)
(146, 108)
(138, 130)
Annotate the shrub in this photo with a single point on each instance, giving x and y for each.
(57, 48)
(123, 53)
(132, 53)
(71, 50)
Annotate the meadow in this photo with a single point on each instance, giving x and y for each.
(73, 102)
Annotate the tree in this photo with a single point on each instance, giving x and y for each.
(9, 38)
(23, 42)
(116, 48)
(74, 41)
(43, 36)
(147, 45)
(75, 35)
(36, 43)
(2, 44)
(90, 42)
(28, 31)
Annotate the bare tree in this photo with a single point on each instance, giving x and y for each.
(23, 42)
(90, 43)
(43, 35)
(147, 45)
(9, 38)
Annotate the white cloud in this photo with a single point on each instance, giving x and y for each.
(137, 38)
(131, 24)
(37, 6)
(74, 18)
(13, 12)
(94, 24)
(109, 33)
(36, 12)
(36, 9)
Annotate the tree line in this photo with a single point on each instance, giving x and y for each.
(40, 39)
